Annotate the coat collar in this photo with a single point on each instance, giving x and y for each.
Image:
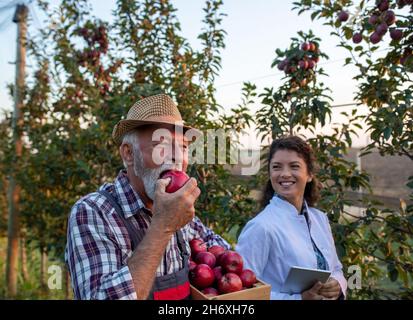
(278, 200)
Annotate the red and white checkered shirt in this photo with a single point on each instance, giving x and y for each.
(98, 243)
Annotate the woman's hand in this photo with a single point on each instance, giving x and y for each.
(313, 293)
(331, 289)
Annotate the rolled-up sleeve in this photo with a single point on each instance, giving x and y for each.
(94, 259)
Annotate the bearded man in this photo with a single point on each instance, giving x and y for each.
(130, 239)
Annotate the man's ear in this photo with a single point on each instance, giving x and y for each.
(126, 153)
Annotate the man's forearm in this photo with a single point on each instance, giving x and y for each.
(146, 258)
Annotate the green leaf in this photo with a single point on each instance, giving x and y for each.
(387, 133)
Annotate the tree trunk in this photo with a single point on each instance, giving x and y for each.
(20, 18)
(23, 258)
(43, 267)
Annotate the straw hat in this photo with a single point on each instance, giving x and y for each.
(158, 109)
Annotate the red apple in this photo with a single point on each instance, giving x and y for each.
(382, 29)
(290, 69)
(216, 250)
(343, 16)
(178, 179)
(197, 246)
(357, 37)
(231, 261)
(202, 276)
(248, 278)
(218, 272)
(375, 38)
(313, 47)
(396, 34)
(303, 64)
(389, 17)
(210, 292)
(281, 65)
(374, 19)
(205, 258)
(383, 5)
(230, 282)
(305, 46)
(192, 265)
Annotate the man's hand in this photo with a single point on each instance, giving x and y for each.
(331, 289)
(313, 293)
(172, 211)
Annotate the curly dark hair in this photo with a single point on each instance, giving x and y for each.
(304, 150)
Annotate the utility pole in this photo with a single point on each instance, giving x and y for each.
(20, 17)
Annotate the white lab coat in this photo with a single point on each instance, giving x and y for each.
(278, 238)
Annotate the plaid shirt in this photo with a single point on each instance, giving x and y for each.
(98, 245)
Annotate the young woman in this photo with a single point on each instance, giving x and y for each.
(289, 231)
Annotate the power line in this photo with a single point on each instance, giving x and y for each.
(281, 72)
(345, 105)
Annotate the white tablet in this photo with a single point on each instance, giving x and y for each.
(301, 279)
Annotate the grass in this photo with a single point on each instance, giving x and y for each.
(31, 289)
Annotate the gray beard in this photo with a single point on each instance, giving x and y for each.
(150, 176)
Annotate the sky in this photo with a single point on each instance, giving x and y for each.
(254, 30)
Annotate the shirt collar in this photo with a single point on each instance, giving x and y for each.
(127, 198)
(304, 208)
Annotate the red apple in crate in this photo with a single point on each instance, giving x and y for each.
(197, 246)
(192, 265)
(218, 272)
(205, 258)
(230, 282)
(248, 278)
(210, 292)
(202, 276)
(216, 250)
(231, 261)
(178, 179)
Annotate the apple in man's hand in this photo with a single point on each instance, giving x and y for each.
(178, 179)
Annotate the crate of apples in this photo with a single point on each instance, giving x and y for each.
(218, 274)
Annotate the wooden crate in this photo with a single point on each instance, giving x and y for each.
(260, 291)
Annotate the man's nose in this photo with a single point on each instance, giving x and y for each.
(174, 154)
(177, 153)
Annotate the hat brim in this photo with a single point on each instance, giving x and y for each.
(124, 126)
